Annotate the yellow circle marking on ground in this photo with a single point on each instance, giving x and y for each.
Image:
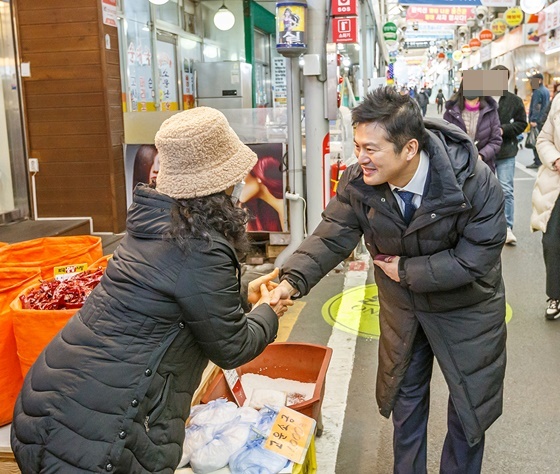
(356, 311)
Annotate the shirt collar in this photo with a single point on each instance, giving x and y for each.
(418, 181)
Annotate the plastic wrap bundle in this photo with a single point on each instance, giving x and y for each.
(254, 458)
(215, 431)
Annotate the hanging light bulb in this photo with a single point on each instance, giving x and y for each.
(159, 2)
(532, 6)
(224, 19)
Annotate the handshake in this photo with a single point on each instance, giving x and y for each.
(265, 290)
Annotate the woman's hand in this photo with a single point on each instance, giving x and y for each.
(254, 291)
(279, 308)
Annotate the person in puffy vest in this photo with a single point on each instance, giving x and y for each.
(112, 391)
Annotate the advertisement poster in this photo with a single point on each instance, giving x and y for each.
(263, 193)
(109, 12)
(440, 15)
(168, 95)
(188, 84)
(141, 165)
(291, 24)
(140, 91)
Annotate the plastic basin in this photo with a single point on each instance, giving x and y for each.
(306, 363)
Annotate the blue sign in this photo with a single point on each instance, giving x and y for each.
(446, 3)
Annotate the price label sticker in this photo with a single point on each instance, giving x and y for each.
(234, 384)
(67, 271)
(291, 434)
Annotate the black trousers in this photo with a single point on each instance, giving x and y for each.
(536, 158)
(551, 253)
(410, 422)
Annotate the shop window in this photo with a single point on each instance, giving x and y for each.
(169, 12)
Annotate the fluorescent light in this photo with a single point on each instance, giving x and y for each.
(159, 2)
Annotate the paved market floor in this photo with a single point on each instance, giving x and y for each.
(356, 439)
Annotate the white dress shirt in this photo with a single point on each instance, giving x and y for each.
(416, 184)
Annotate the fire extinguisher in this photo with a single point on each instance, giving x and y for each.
(336, 170)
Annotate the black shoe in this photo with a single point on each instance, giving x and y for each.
(533, 166)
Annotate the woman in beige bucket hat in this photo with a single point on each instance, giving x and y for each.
(113, 389)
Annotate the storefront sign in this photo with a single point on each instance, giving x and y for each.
(457, 55)
(442, 15)
(390, 32)
(498, 27)
(513, 16)
(498, 3)
(549, 18)
(345, 30)
(450, 3)
(344, 7)
(466, 50)
(485, 36)
(109, 8)
(475, 44)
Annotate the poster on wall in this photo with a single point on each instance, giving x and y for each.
(109, 12)
(279, 84)
(140, 88)
(168, 95)
(188, 84)
(263, 193)
(141, 165)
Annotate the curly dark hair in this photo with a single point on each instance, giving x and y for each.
(195, 218)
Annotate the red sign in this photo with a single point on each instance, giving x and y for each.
(441, 15)
(475, 44)
(344, 7)
(485, 36)
(345, 30)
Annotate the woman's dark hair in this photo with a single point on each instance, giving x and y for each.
(196, 218)
(459, 98)
(399, 115)
(143, 162)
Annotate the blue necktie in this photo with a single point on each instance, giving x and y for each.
(409, 208)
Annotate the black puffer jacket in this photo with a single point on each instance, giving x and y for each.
(513, 120)
(112, 391)
(450, 273)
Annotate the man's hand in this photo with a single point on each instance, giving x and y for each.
(282, 292)
(254, 288)
(533, 124)
(279, 308)
(556, 165)
(391, 268)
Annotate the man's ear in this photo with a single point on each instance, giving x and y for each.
(411, 149)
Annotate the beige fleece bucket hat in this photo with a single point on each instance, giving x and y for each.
(200, 154)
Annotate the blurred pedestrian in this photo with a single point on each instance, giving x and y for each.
(423, 101)
(440, 100)
(513, 120)
(539, 101)
(478, 116)
(546, 207)
(432, 218)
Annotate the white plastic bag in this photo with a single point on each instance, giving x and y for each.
(196, 436)
(215, 454)
(216, 412)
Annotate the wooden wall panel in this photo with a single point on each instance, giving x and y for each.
(73, 110)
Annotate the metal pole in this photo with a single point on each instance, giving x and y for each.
(295, 164)
(316, 125)
(364, 52)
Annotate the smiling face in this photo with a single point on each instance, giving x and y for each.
(378, 159)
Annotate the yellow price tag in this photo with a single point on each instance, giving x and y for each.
(291, 434)
(66, 271)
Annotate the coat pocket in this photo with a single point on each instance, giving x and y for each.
(160, 402)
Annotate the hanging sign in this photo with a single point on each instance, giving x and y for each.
(457, 55)
(498, 3)
(475, 44)
(498, 27)
(451, 3)
(485, 36)
(513, 16)
(434, 14)
(466, 50)
(344, 7)
(390, 32)
(345, 30)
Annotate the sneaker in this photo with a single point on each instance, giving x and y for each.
(510, 238)
(532, 166)
(553, 310)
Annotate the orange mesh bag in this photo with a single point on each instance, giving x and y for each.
(50, 252)
(12, 281)
(35, 328)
